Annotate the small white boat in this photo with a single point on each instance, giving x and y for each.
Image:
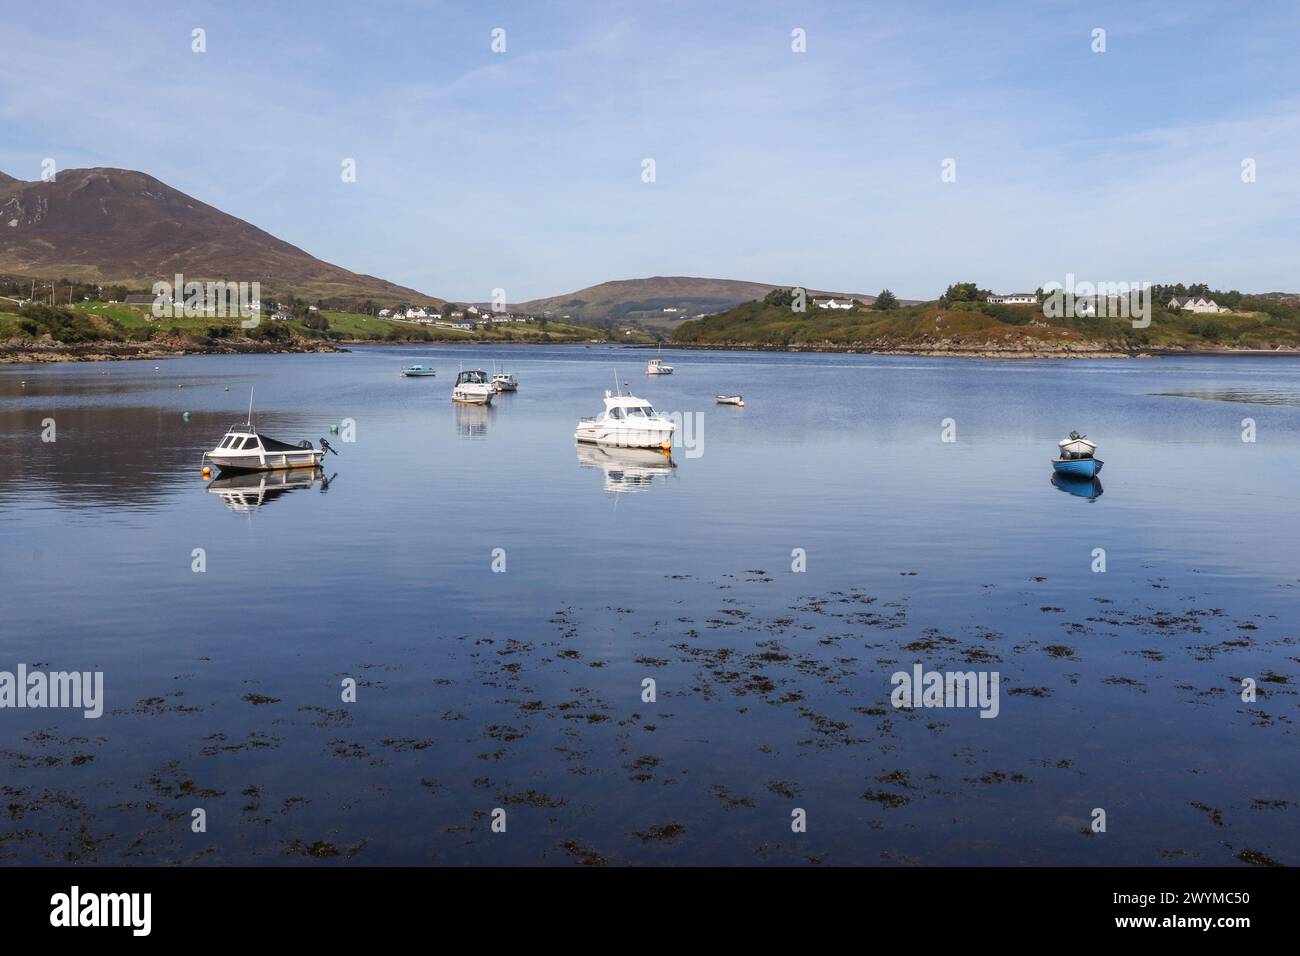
(418, 371)
(731, 400)
(1077, 446)
(244, 449)
(504, 382)
(627, 422)
(656, 366)
(473, 388)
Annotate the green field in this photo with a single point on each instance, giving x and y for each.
(100, 321)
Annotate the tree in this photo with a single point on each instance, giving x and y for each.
(964, 292)
(886, 300)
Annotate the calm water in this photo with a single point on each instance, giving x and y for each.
(522, 690)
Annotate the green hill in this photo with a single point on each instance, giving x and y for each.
(1258, 322)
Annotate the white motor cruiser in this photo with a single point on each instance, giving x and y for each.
(505, 382)
(627, 422)
(473, 388)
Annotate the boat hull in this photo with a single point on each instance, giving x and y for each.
(1079, 468)
(467, 397)
(269, 461)
(409, 374)
(605, 433)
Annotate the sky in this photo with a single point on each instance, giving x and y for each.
(524, 169)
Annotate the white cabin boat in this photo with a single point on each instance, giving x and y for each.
(627, 422)
(245, 449)
(738, 400)
(473, 388)
(504, 382)
(656, 366)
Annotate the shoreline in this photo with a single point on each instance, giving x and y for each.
(986, 353)
(42, 353)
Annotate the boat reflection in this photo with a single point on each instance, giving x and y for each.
(245, 493)
(626, 469)
(472, 420)
(1089, 488)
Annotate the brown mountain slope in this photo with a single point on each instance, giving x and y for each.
(117, 225)
(647, 298)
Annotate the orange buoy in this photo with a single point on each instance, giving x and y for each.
(207, 472)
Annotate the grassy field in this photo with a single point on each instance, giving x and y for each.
(93, 321)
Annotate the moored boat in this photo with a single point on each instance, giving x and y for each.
(472, 388)
(245, 449)
(627, 422)
(656, 365)
(1077, 458)
(418, 371)
(504, 382)
(737, 400)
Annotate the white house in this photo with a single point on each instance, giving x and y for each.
(833, 303)
(384, 313)
(1014, 298)
(1195, 303)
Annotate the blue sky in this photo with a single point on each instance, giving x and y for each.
(522, 170)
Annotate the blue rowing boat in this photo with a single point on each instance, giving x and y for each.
(1081, 468)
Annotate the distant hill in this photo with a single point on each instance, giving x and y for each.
(121, 226)
(646, 299)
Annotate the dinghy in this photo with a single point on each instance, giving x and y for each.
(737, 400)
(1077, 458)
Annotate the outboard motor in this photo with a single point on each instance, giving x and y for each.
(325, 446)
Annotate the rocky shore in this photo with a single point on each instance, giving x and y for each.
(46, 349)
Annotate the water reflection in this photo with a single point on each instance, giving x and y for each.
(626, 469)
(472, 420)
(1089, 488)
(245, 493)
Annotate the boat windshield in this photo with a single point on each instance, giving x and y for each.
(647, 411)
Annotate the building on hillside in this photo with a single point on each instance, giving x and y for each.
(1194, 303)
(833, 303)
(280, 315)
(384, 313)
(1015, 298)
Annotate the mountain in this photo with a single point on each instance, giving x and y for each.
(646, 299)
(122, 226)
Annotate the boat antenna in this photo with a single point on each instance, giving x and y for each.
(250, 407)
(617, 390)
